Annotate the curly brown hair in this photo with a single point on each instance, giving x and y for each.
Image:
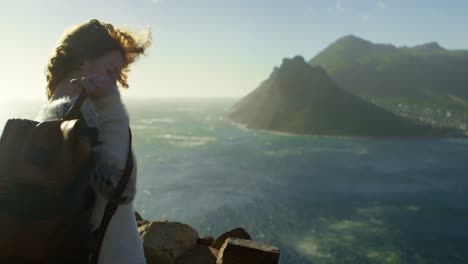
(89, 41)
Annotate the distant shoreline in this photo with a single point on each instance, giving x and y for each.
(282, 133)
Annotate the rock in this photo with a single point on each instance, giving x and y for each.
(200, 254)
(235, 251)
(142, 222)
(138, 216)
(207, 241)
(142, 228)
(237, 233)
(163, 242)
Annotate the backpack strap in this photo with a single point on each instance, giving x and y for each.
(112, 204)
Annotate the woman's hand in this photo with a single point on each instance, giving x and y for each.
(96, 86)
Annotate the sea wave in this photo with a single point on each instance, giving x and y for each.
(186, 141)
(150, 121)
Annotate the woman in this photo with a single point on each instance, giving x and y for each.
(96, 56)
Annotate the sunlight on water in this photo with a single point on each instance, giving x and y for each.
(368, 235)
(319, 199)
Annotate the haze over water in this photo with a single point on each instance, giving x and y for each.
(320, 199)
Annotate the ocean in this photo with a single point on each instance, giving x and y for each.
(319, 199)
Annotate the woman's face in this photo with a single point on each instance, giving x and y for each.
(109, 64)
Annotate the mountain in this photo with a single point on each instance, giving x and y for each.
(302, 99)
(386, 71)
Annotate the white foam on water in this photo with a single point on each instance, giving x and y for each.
(150, 121)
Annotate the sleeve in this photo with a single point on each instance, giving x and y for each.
(54, 110)
(111, 153)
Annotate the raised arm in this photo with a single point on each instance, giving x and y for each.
(111, 153)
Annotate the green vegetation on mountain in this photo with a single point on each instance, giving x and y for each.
(425, 83)
(302, 99)
(383, 70)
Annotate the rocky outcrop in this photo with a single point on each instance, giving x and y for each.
(199, 254)
(238, 233)
(235, 251)
(164, 242)
(176, 243)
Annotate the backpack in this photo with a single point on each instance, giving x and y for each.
(45, 199)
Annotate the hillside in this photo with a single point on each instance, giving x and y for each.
(386, 71)
(302, 99)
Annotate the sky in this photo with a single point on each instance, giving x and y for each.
(215, 48)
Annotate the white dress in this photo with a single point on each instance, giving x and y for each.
(122, 243)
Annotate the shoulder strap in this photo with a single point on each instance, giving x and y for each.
(112, 204)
